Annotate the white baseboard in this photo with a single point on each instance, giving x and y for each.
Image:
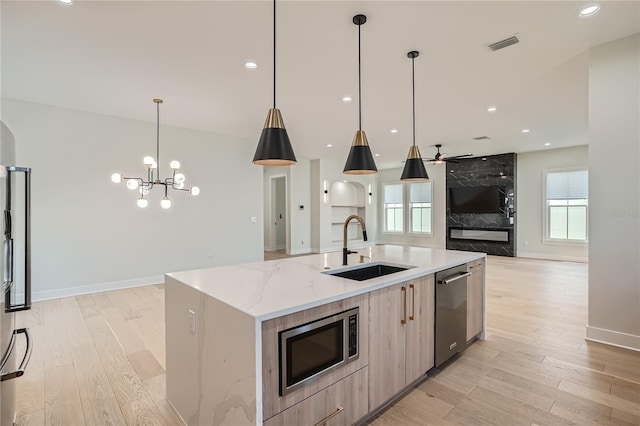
(614, 338)
(563, 258)
(38, 296)
(300, 251)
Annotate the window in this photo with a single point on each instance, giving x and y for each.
(407, 203)
(420, 207)
(393, 208)
(567, 201)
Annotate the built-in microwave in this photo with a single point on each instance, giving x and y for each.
(313, 349)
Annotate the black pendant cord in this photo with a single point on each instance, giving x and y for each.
(359, 84)
(158, 140)
(274, 54)
(413, 88)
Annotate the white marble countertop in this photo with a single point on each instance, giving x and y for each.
(266, 290)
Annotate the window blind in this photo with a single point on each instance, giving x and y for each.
(420, 192)
(393, 194)
(568, 185)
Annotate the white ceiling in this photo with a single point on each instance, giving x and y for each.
(114, 57)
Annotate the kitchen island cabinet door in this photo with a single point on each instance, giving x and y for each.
(475, 298)
(387, 309)
(420, 327)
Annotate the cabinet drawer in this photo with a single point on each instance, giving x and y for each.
(341, 404)
(474, 264)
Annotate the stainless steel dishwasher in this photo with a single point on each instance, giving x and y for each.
(451, 312)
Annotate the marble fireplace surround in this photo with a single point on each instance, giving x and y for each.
(493, 170)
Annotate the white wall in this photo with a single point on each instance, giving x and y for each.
(614, 193)
(298, 220)
(331, 171)
(88, 233)
(437, 239)
(531, 204)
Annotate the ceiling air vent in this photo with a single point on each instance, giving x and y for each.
(481, 138)
(504, 43)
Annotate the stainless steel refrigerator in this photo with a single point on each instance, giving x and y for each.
(15, 270)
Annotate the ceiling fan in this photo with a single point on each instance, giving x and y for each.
(439, 158)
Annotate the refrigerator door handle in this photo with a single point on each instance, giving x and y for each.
(25, 360)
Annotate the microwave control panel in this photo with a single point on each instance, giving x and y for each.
(353, 335)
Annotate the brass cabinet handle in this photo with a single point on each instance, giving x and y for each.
(413, 301)
(324, 421)
(404, 305)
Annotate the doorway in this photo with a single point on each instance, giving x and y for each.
(279, 212)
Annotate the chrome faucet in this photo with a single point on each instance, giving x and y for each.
(345, 250)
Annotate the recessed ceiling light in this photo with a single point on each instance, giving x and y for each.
(547, 144)
(484, 158)
(377, 155)
(251, 65)
(329, 145)
(65, 2)
(492, 109)
(346, 99)
(590, 10)
(525, 130)
(394, 130)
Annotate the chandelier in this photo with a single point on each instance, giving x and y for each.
(176, 181)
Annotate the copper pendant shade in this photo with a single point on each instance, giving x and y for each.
(360, 160)
(414, 170)
(274, 147)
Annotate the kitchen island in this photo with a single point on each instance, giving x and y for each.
(222, 328)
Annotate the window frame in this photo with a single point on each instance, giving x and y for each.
(407, 225)
(384, 209)
(409, 219)
(546, 210)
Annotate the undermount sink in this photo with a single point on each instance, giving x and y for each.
(368, 271)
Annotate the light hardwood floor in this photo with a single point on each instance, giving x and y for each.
(99, 359)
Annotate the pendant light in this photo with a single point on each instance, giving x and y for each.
(176, 181)
(274, 147)
(360, 161)
(414, 170)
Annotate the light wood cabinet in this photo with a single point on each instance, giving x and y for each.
(475, 298)
(401, 323)
(341, 404)
(274, 403)
(419, 354)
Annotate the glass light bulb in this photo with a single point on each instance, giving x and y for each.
(132, 184)
(144, 190)
(116, 178)
(195, 191)
(165, 203)
(179, 185)
(148, 160)
(142, 203)
(179, 177)
(153, 165)
(175, 165)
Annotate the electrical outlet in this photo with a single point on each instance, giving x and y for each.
(210, 257)
(254, 219)
(192, 321)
